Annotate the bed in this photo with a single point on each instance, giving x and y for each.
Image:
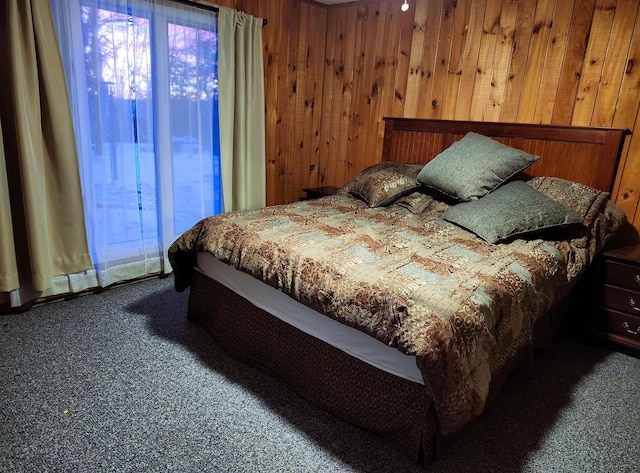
(403, 302)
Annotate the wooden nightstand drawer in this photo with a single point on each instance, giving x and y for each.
(607, 301)
(621, 274)
(617, 326)
(620, 299)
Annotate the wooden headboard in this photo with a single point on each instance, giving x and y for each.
(580, 154)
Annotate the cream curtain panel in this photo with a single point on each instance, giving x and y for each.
(241, 102)
(42, 230)
(9, 279)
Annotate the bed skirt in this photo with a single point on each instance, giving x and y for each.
(397, 409)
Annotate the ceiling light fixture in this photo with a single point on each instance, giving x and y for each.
(405, 6)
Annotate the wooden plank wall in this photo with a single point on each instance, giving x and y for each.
(333, 72)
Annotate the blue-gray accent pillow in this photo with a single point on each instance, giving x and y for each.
(513, 210)
(473, 167)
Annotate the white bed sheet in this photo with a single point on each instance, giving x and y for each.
(343, 337)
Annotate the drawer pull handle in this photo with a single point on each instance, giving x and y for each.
(626, 327)
(632, 303)
(637, 278)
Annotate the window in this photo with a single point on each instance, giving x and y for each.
(142, 79)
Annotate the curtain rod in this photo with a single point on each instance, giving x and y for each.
(204, 6)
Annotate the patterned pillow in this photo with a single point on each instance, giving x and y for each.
(384, 187)
(513, 210)
(408, 169)
(473, 167)
(415, 203)
(583, 199)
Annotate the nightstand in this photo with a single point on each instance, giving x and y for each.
(317, 192)
(613, 290)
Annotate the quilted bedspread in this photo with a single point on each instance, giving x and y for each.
(406, 277)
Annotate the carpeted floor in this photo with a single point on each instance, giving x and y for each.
(120, 381)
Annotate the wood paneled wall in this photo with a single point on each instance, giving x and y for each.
(332, 73)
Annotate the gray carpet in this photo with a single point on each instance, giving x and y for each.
(120, 381)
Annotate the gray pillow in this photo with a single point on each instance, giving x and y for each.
(473, 167)
(513, 210)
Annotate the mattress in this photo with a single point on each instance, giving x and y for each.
(336, 334)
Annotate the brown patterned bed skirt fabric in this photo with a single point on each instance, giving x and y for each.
(397, 409)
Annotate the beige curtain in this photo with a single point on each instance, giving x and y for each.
(42, 232)
(8, 264)
(242, 103)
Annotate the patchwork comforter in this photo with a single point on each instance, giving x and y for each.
(407, 277)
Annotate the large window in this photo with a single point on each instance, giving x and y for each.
(142, 78)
